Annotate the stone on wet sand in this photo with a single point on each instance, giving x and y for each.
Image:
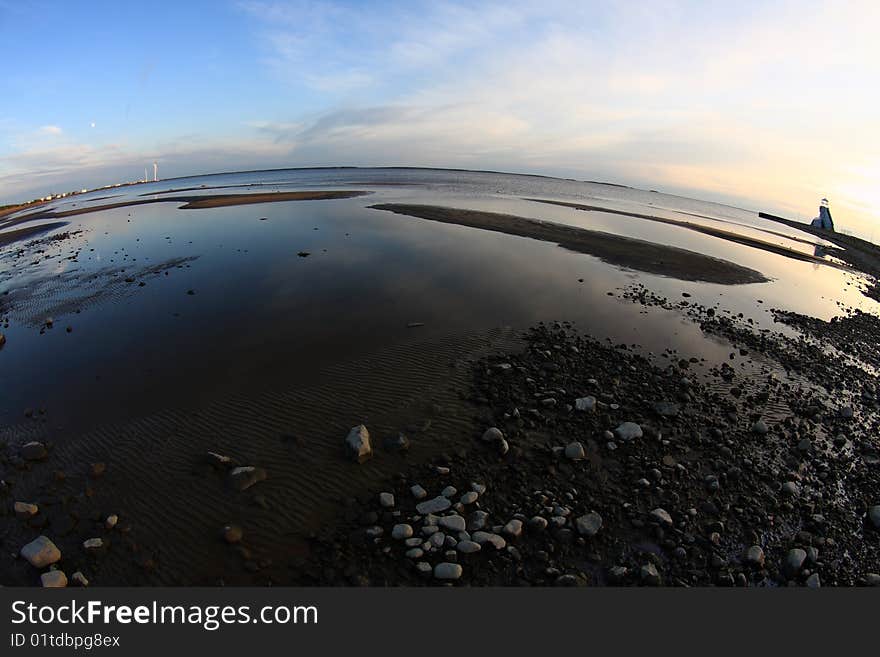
(435, 505)
(243, 477)
(846, 412)
(628, 431)
(585, 404)
(760, 427)
(449, 491)
(447, 571)
(41, 552)
(111, 521)
(790, 489)
(589, 524)
(469, 497)
(418, 492)
(79, 579)
(25, 510)
(357, 444)
(661, 517)
(537, 523)
(494, 540)
(386, 500)
(401, 531)
(94, 546)
(219, 460)
(813, 581)
(666, 408)
(53, 579)
(492, 434)
(575, 451)
(34, 451)
(414, 553)
(649, 574)
(232, 534)
(477, 521)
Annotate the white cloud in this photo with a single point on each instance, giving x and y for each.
(50, 130)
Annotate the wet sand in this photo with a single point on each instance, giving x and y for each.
(614, 249)
(706, 230)
(19, 234)
(196, 202)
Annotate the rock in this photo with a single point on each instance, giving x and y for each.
(243, 477)
(374, 532)
(790, 489)
(494, 540)
(418, 492)
(232, 534)
(661, 517)
(97, 470)
(503, 447)
(628, 431)
(513, 528)
(79, 579)
(585, 404)
(25, 510)
(794, 561)
(414, 553)
(874, 515)
(872, 579)
(435, 505)
(399, 443)
(760, 428)
(589, 524)
(453, 523)
(493, 434)
(537, 523)
(575, 451)
(477, 521)
(468, 547)
(437, 540)
(469, 498)
(41, 552)
(813, 581)
(666, 408)
(357, 444)
(401, 531)
(649, 574)
(754, 556)
(449, 491)
(479, 489)
(34, 451)
(219, 460)
(94, 546)
(447, 571)
(386, 500)
(111, 521)
(424, 568)
(54, 579)
(846, 412)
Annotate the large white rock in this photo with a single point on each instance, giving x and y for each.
(41, 552)
(357, 444)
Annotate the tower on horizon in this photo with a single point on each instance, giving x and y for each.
(155, 171)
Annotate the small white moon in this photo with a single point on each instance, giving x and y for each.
(93, 124)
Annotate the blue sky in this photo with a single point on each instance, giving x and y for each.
(766, 104)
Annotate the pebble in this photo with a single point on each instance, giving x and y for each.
(513, 528)
(585, 404)
(813, 581)
(468, 547)
(628, 431)
(435, 505)
(662, 517)
(374, 532)
(449, 491)
(453, 523)
(492, 434)
(424, 568)
(79, 579)
(418, 492)
(794, 561)
(846, 412)
(495, 540)
(538, 523)
(790, 489)
(477, 520)
(469, 498)
(649, 574)
(111, 521)
(53, 579)
(415, 553)
(755, 556)
(25, 510)
(34, 451)
(41, 552)
(503, 447)
(447, 571)
(401, 531)
(232, 534)
(874, 515)
(93, 545)
(244, 477)
(575, 451)
(357, 444)
(386, 500)
(760, 427)
(589, 524)
(415, 541)
(479, 489)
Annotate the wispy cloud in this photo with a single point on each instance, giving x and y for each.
(50, 130)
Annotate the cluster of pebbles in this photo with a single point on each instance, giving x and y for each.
(591, 465)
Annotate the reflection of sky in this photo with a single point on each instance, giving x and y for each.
(263, 317)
